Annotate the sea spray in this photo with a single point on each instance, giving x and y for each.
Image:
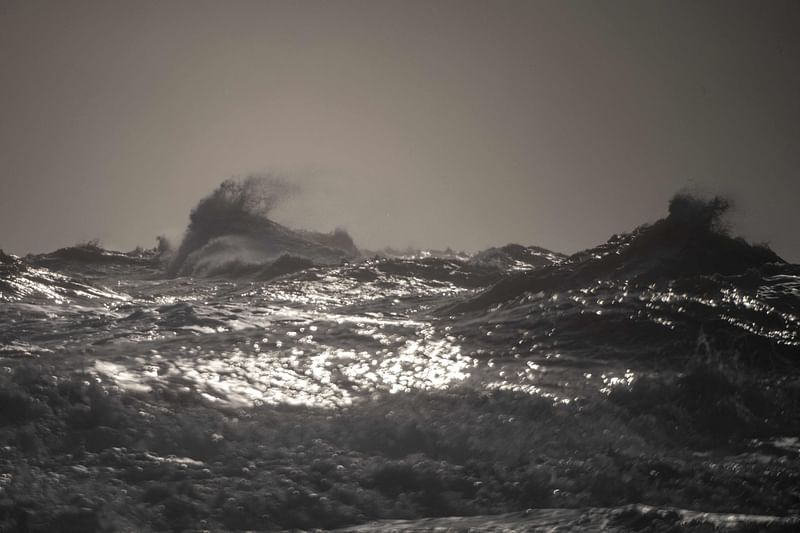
(231, 225)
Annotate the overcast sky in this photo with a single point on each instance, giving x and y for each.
(430, 124)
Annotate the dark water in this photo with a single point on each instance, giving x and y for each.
(258, 378)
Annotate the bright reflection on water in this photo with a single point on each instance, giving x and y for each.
(328, 337)
(53, 287)
(284, 343)
(322, 364)
(751, 313)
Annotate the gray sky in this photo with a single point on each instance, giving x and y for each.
(433, 124)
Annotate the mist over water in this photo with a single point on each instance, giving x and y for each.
(253, 376)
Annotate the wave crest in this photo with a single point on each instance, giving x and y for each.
(231, 225)
(691, 241)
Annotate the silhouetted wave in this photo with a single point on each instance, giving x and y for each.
(92, 258)
(681, 285)
(690, 241)
(231, 225)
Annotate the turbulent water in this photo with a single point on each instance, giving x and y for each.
(260, 378)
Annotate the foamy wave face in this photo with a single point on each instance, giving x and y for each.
(223, 255)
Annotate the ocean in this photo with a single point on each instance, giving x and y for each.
(259, 378)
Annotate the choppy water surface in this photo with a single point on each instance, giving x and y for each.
(618, 389)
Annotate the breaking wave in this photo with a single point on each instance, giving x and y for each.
(690, 241)
(663, 292)
(231, 227)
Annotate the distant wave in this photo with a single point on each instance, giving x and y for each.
(230, 227)
(691, 241)
(20, 281)
(91, 255)
(516, 257)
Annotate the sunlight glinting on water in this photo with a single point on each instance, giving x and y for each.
(336, 289)
(734, 306)
(421, 364)
(54, 287)
(611, 381)
(294, 367)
